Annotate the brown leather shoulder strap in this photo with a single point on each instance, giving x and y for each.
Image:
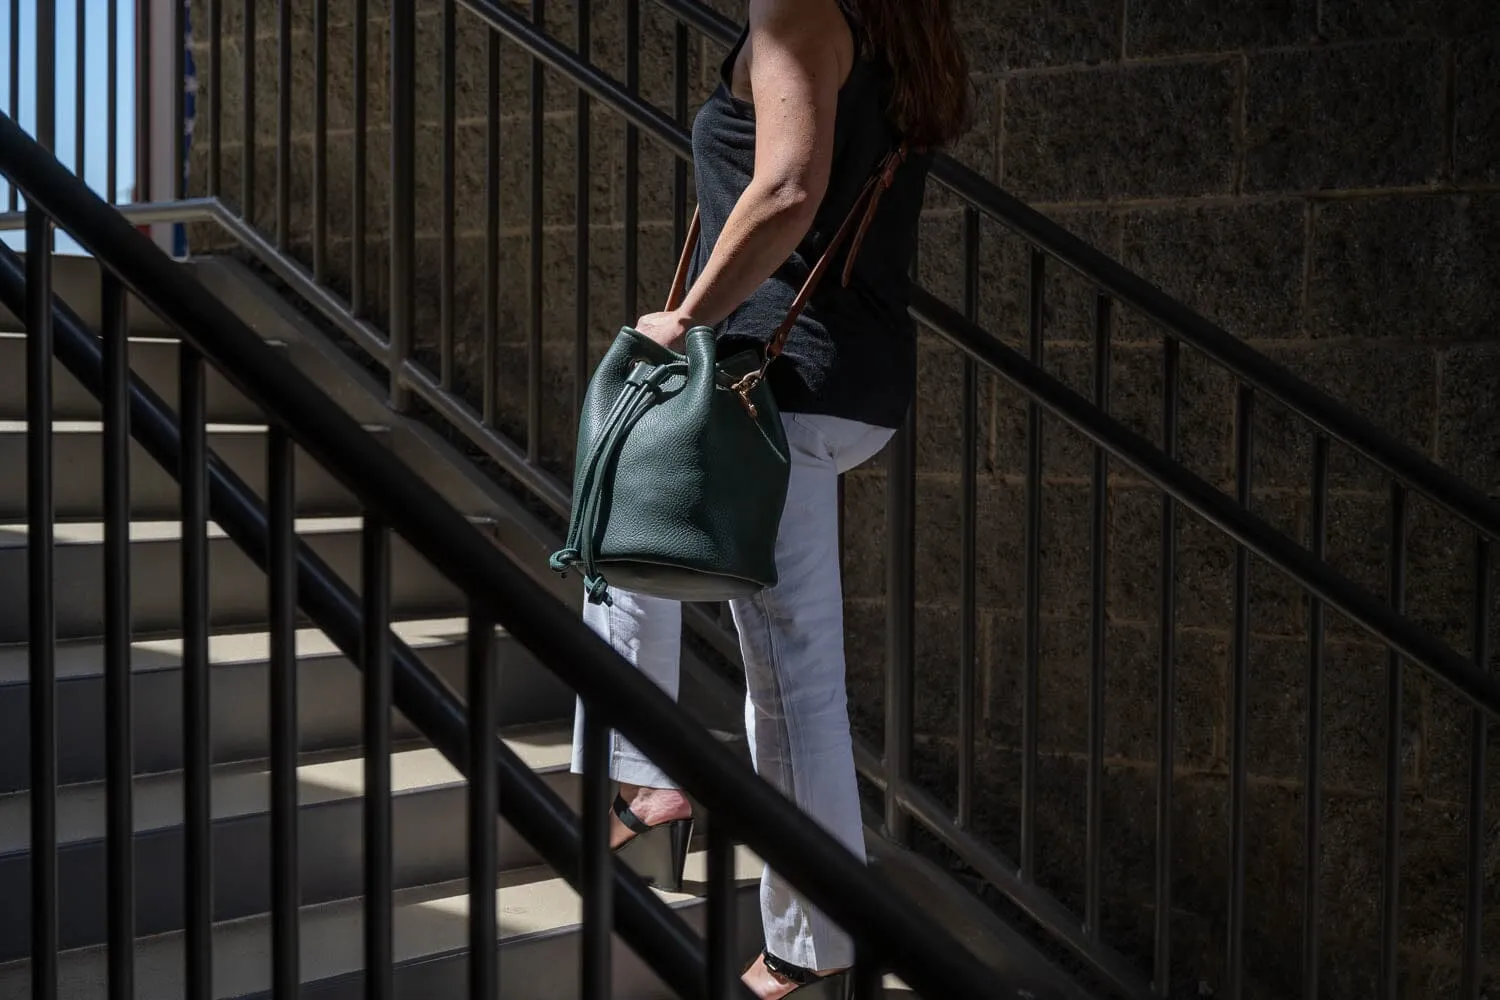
(861, 213)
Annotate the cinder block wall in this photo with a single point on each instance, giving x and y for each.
(1320, 178)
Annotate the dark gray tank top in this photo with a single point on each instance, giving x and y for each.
(852, 353)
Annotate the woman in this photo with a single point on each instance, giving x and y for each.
(814, 96)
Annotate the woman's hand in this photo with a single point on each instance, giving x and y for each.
(666, 328)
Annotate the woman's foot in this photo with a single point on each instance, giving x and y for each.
(767, 984)
(652, 806)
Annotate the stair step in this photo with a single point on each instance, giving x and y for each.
(538, 916)
(428, 837)
(328, 697)
(153, 359)
(75, 280)
(237, 589)
(78, 472)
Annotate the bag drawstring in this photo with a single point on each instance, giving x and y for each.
(642, 391)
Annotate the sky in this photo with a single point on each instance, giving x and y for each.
(96, 96)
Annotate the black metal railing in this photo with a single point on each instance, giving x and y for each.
(740, 806)
(512, 434)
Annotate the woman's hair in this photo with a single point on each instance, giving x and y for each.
(930, 101)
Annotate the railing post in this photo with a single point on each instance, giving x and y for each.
(597, 886)
(484, 979)
(282, 585)
(375, 654)
(196, 750)
(900, 637)
(402, 194)
(119, 770)
(41, 616)
(1166, 685)
(46, 73)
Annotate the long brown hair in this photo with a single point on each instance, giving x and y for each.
(930, 101)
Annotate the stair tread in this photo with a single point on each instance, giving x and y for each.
(13, 536)
(429, 921)
(85, 658)
(243, 788)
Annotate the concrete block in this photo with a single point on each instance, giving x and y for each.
(1344, 20)
(1241, 265)
(1031, 34)
(1362, 116)
(1406, 267)
(1177, 27)
(1147, 131)
(1476, 145)
(1468, 428)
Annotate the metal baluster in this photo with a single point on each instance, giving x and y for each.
(723, 969)
(178, 184)
(215, 97)
(484, 979)
(247, 116)
(358, 282)
(15, 82)
(120, 753)
(320, 141)
(1239, 701)
(1390, 871)
(1166, 691)
(41, 613)
(403, 195)
(80, 84)
(1312, 906)
(1099, 502)
(492, 234)
(446, 263)
(1033, 572)
(968, 602)
(1478, 749)
(111, 97)
(900, 628)
(46, 77)
(679, 115)
(538, 194)
(283, 123)
(375, 562)
(196, 758)
(583, 178)
(866, 976)
(598, 887)
(632, 163)
(282, 578)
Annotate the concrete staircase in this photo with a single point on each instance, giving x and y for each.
(538, 912)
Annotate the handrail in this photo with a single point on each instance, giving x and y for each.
(769, 824)
(536, 811)
(1395, 630)
(1277, 382)
(1313, 404)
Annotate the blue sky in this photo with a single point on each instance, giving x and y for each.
(96, 96)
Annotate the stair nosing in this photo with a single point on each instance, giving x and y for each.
(250, 797)
(83, 659)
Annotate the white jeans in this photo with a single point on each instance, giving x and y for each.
(792, 639)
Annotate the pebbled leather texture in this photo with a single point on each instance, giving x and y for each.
(678, 490)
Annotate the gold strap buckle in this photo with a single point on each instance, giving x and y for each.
(745, 386)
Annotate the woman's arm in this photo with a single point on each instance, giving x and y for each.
(795, 75)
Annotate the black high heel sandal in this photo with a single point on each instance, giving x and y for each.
(657, 853)
(835, 986)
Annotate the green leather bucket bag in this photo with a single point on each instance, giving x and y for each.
(682, 463)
